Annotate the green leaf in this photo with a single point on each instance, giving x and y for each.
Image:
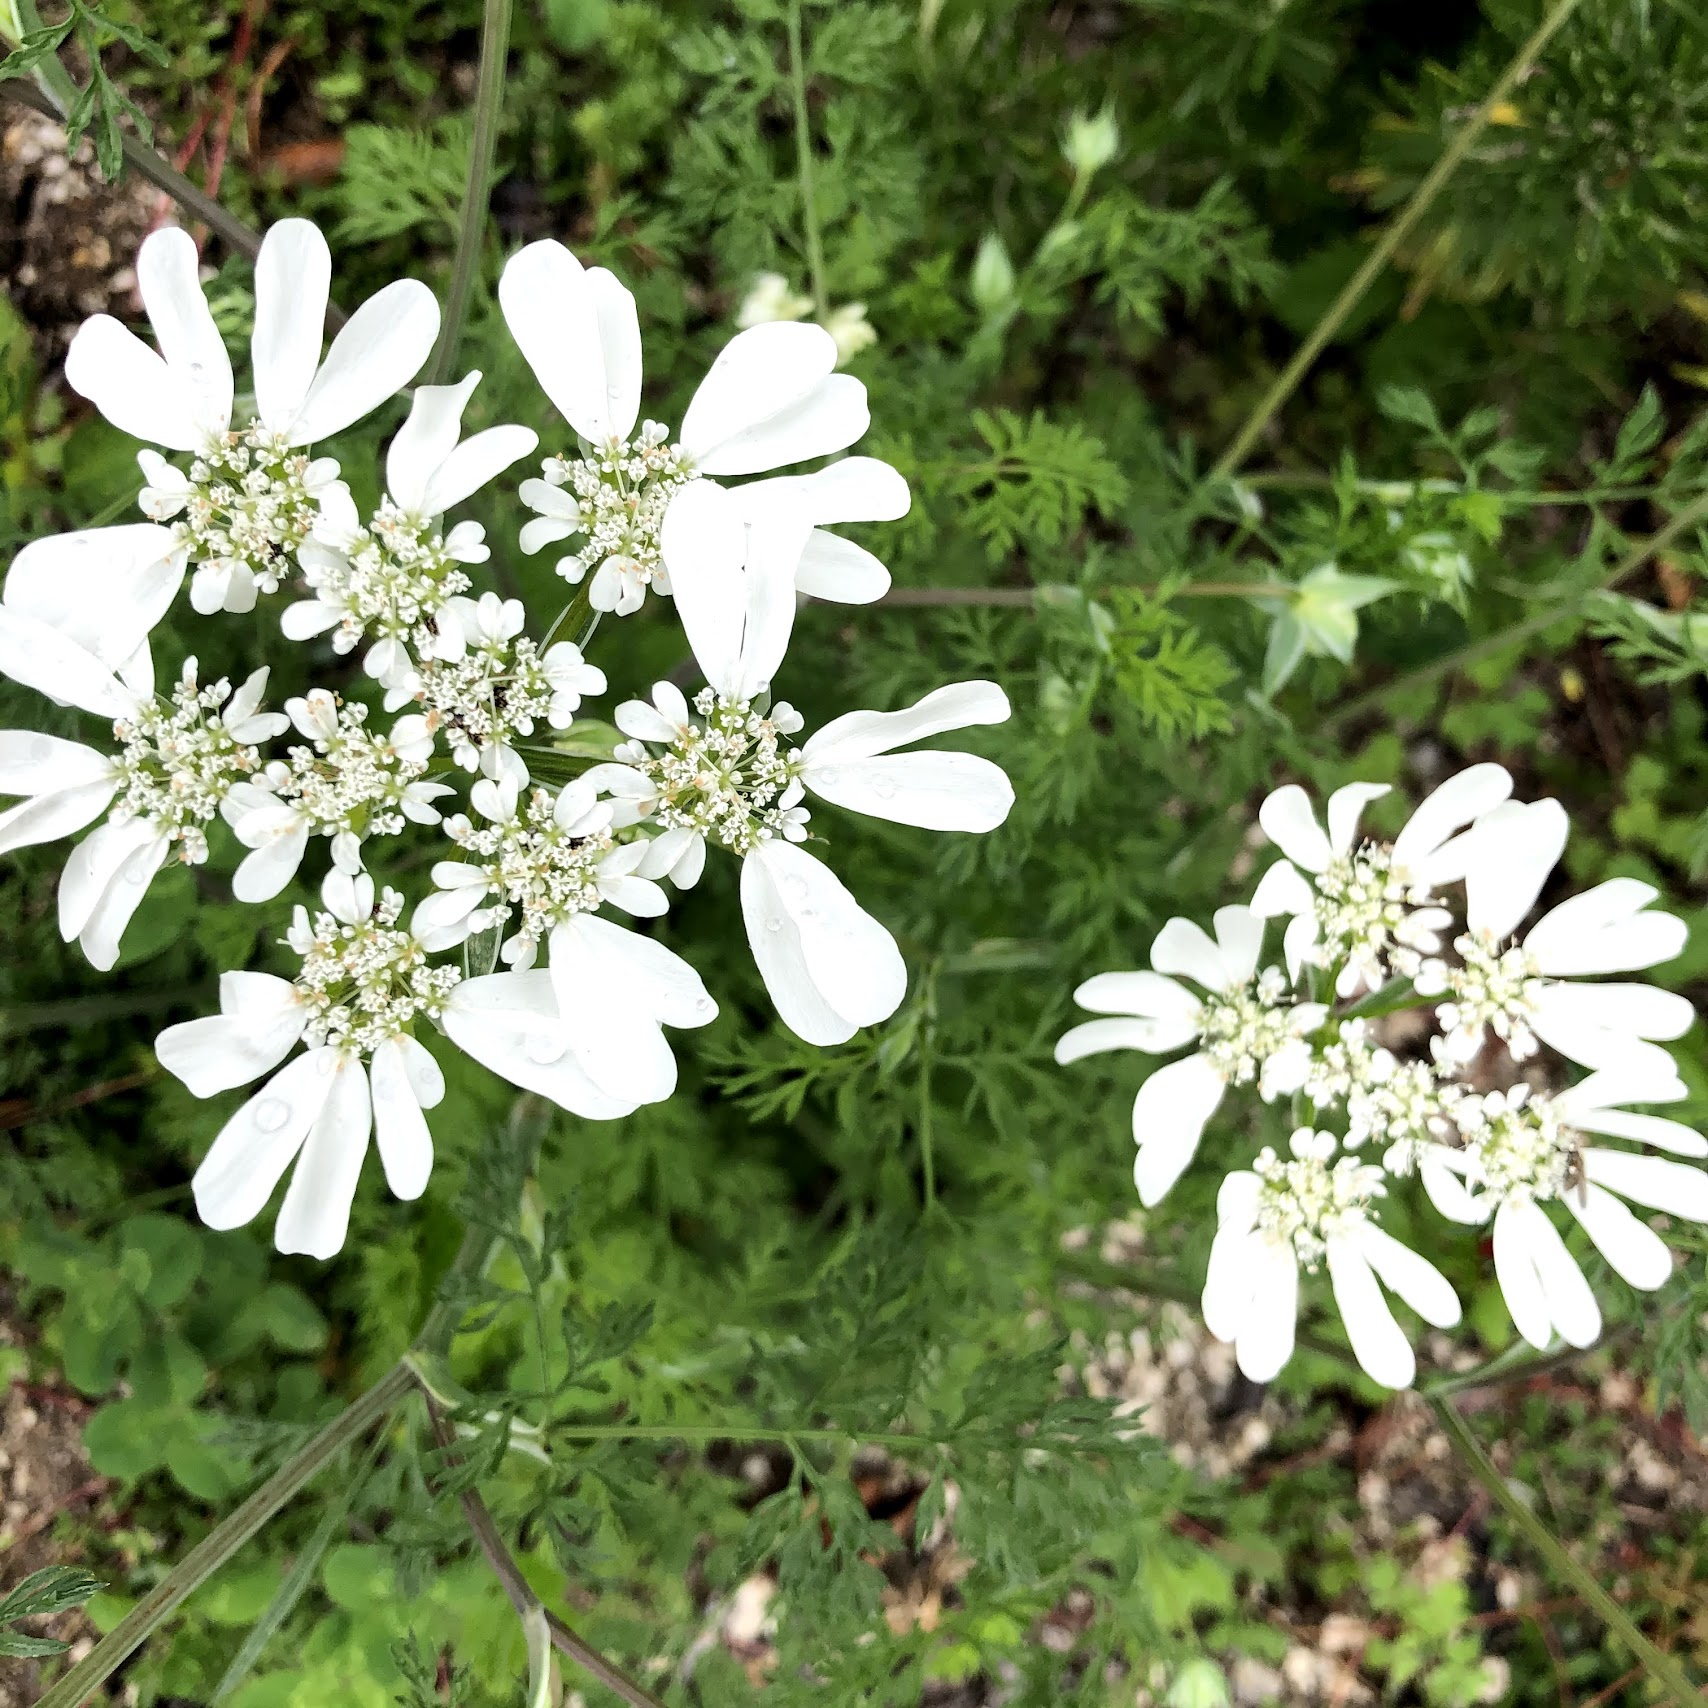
(126, 1439)
(174, 1252)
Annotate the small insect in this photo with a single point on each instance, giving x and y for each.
(1576, 1179)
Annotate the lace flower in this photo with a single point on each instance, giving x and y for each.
(643, 505)
(251, 495)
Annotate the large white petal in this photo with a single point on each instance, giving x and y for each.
(1412, 1276)
(169, 282)
(1345, 807)
(428, 435)
(837, 570)
(1378, 1342)
(1465, 796)
(554, 318)
(35, 764)
(1572, 1305)
(1602, 1026)
(315, 1215)
(133, 387)
(856, 489)
(273, 863)
(1124, 1033)
(93, 866)
(830, 418)
(1515, 1240)
(46, 818)
(1507, 860)
(1654, 1181)
(400, 1129)
(1282, 891)
(613, 1032)
(1147, 994)
(756, 378)
(1185, 948)
(509, 1023)
(378, 352)
(620, 345)
(935, 791)
(256, 1145)
(1447, 1191)
(1228, 1282)
(1239, 939)
(1636, 1252)
(658, 979)
(704, 545)
(1169, 1114)
(830, 967)
(1290, 822)
(862, 735)
(222, 1051)
(99, 939)
(768, 601)
(103, 588)
(1265, 1340)
(1653, 1130)
(1606, 929)
(293, 280)
(475, 462)
(40, 657)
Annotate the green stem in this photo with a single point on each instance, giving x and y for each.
(224, 1540)
(1399, 229)
(489, 97)
(804, 164)
(1662, 1668)
(1513, 633)
(232, 1532)
(1025, 597)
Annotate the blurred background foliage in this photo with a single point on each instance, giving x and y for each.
(812, 1383)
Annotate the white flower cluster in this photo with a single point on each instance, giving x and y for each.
(534, 864)
(1373, 929)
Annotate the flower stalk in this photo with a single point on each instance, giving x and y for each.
(804, 166)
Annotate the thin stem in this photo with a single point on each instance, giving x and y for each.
(489, 97)
(164, 176)
(521, 1592)
(735, 1432)
(804, 164)
(1475, 651)
(79, 1011)
(224, 1540)
(1399, 229)
(1663, 1668)
(1021, 597)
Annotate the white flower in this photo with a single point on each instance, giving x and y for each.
(176, 765)
(770, 298)
(488, 685)
(550, 859)
(346, 784)
(1245, 1029)
(251, 496)
(104, 588)
(1282, 1216)
(1522, 1151)
(1367, 908)
(391, 580)
(648, 515)
(1523, 990)
(829, 966)
(587, 1033)
(363, 987)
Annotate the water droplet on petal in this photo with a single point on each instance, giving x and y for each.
(795, 888)
(271, 1113)
(883, 788)
(773, 924)
(544, 1048)
(41, 750)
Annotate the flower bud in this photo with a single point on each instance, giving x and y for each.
(851, 330)
(769, 298)
(992, 281)
(1091, 142)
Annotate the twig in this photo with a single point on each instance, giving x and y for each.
(483, 144)
(1399, 229)
(521, 1593)
(804, 164)
(1663, 1668)
(1476, 651)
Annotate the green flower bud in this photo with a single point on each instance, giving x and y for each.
(1091, 142)
(992, 281)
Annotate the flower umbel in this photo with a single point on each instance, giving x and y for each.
(1312, 1195)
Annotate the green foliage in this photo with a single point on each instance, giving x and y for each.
(52, 1590)
(816, 1326)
